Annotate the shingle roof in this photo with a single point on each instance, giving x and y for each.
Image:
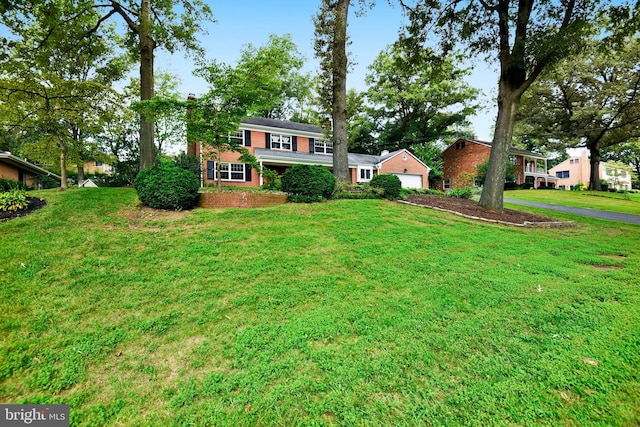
(283, 124)
(301, 156)
(9, 158)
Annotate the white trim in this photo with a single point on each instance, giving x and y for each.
(284, 131)
(360, 170)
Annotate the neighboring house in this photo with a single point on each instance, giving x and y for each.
(577, 170)
(93, 167)
(461, 159)
(278, 145)
(17, 169)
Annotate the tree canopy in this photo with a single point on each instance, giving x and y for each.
(590, 100)
(524, 37)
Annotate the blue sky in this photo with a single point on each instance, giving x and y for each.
(240, 22)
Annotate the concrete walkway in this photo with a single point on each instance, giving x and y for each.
(611, 216)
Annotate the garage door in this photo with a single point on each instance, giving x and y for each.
(409, 180)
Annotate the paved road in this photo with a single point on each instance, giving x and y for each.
(611, 216)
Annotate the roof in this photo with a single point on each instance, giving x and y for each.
(8, 158)
(283, 124)
(512, 150)
(301, 157)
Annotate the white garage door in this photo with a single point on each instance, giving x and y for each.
(410, 181)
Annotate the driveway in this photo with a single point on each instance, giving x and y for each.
(610, 216)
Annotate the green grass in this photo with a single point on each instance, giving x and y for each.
(599, 200)
(351, 312)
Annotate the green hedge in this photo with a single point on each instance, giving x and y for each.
(167, 187)
(308, 183)
(389, 183)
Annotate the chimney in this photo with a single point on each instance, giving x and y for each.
(384, 152)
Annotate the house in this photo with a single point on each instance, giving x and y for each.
(577, 170)
(461, 159)
(278, 145)
(17, 169)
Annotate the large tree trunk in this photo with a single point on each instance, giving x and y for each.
(339, 110)
(493, 190)
(63, 165)
(147, 46)
(594, 163)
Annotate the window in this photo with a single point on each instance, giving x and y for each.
(98, 163)
(571, 161)
(231, 171)
(623, 174)
(562, 174)
(280, 142)
(237, 137)
(460, 145)
(447, 184)
(323, 147)
(365, 174)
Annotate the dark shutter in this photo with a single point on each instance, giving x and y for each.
(267, 140)
(294, 143)
(247, 138)
(210, 167)
(312, 144)
(247, 172)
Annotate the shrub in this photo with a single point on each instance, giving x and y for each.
(308, 183)
(389, 183)
(167, 187)
(13, 200)
(345, 190)
(579, 187)
(461, 193)
(9, 184)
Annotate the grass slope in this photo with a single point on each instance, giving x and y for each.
(343, 313)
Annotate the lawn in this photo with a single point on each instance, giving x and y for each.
(599, 200)
(352, 312)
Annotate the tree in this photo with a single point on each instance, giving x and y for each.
(150, 24)
(55, 86)
(251, 87)
(418, 98)
(629, 154)
(524, 36)
(591, 100)
(331, 48)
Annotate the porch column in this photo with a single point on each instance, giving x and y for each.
(261, 179)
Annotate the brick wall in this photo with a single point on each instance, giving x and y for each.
(458, 159)
(8, 172)
(240, 200)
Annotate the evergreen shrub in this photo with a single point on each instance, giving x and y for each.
(308, 183)
(167, 187)
(389, 183)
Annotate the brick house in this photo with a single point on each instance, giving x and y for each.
(17, 169)
(461, 159)
(278, 145)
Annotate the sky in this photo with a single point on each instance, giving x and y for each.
(240, 22)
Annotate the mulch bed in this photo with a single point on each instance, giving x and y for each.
(34, 204)
(471, 208)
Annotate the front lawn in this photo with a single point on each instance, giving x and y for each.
(351, 312)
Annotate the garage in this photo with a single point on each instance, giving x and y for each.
(409, 180)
